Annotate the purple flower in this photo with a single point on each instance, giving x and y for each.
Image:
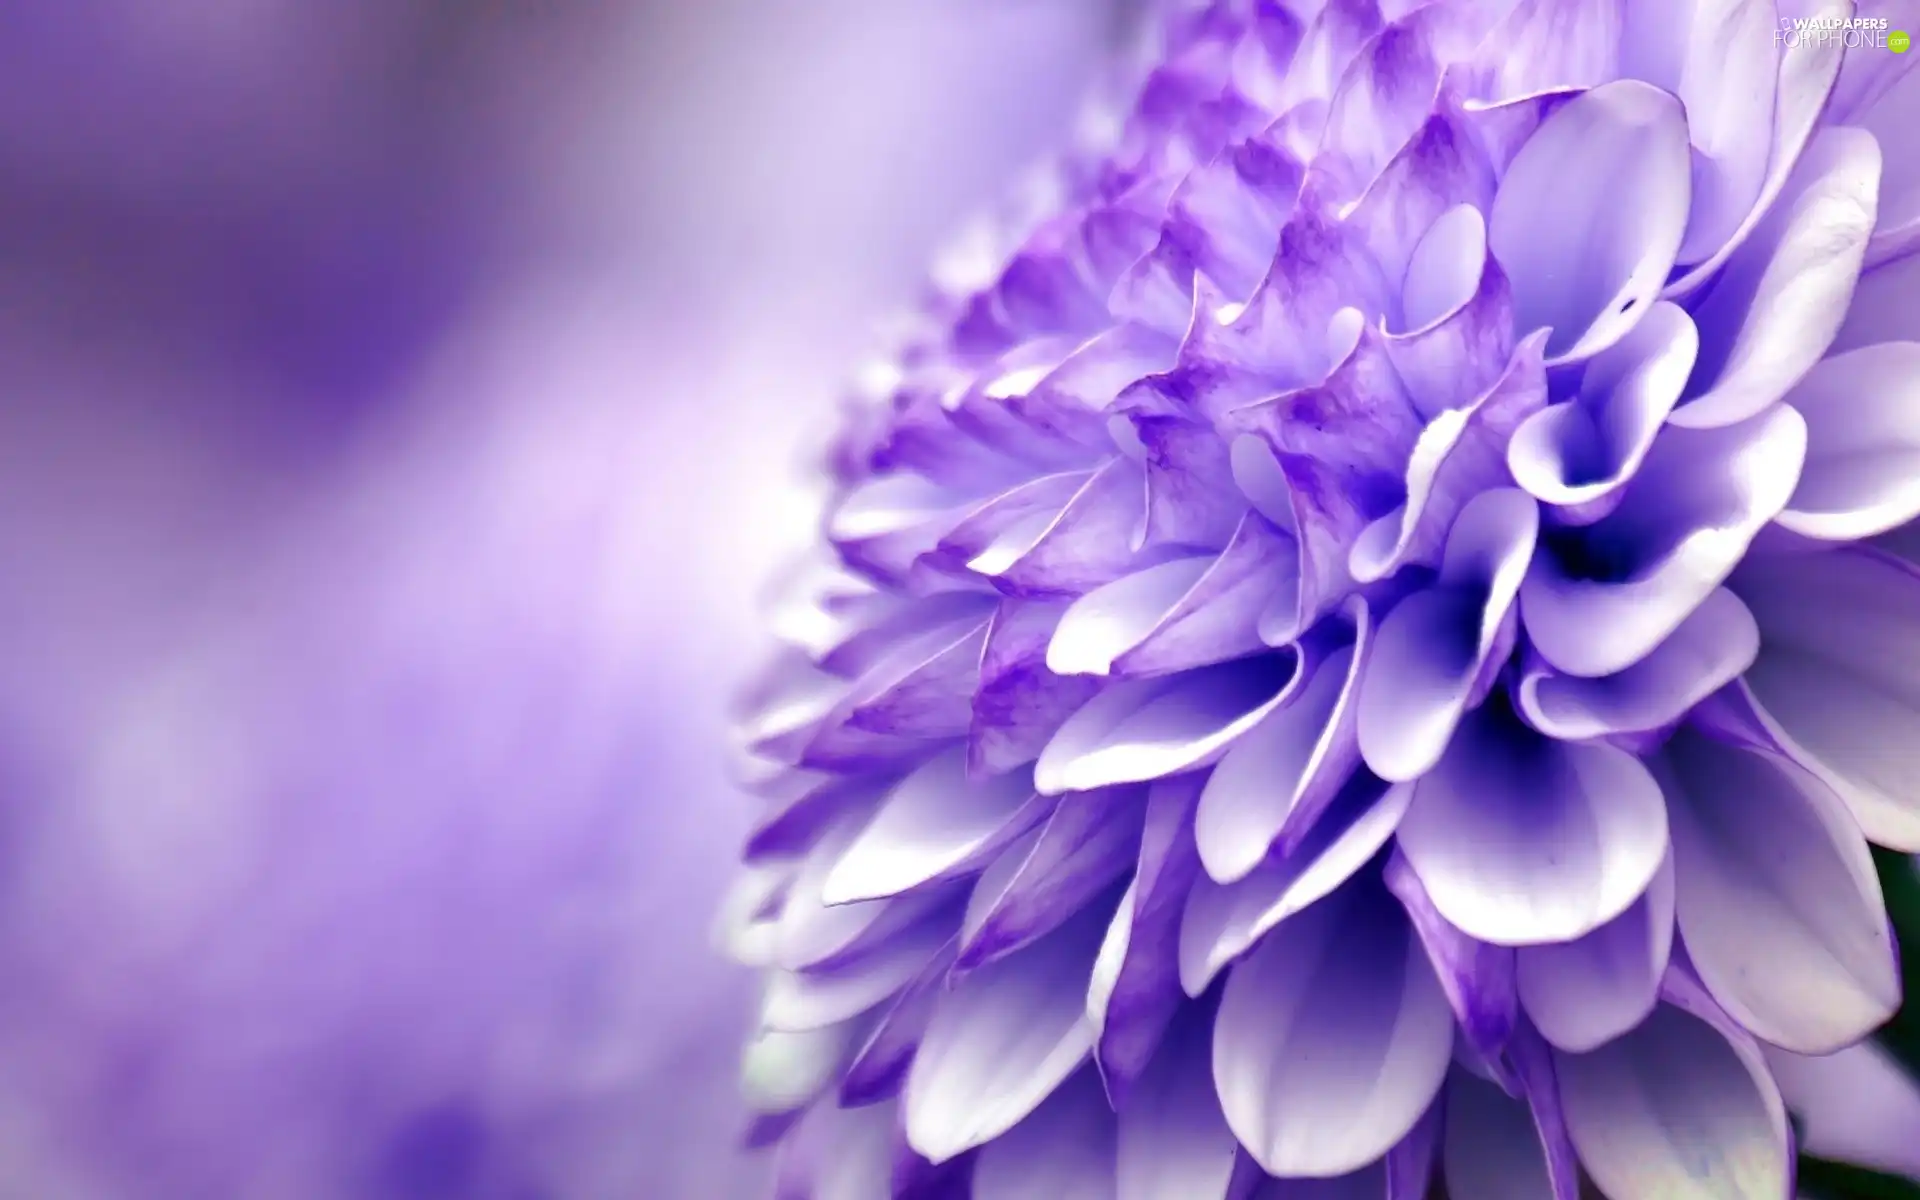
(1366, 639)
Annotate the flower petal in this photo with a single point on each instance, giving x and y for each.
(1460, 353)
(1862, 475)
(1434, 649)
(1382, 98)
(879, 1067)
(1546, 44)
(747, 925)
(1579, 456)
(925, 691)
(1336, 31)
(1174, 1143)
(1001, 1041)
(1332, 1038)
(839, 1154)
(883, 524)
(1284, 772)
(801, 1000)
(1478, 979)
(1580, 263)
(1883, 308)
(1522, 840)
(1861, 1106)
(1711, 649)
(1731, 69)
(1135, 989)
(1343, 448)
(1020, 703)
(1777, 898)
(1224, 220)
(1115, 617)
(1460, 455)
(1448, 267)
(1223, 921)
(1602, 597)
(1584, 993)
(1089, 842)
(1410, 1165)
(1064, 1151)
(1673, 1109)
(930, 827)
(1142, 730)
(1191, 502)
(997, 529)
(1501, 128)
(1440, 169)
(809, 933)
(783, 1072)
(1781, 298)
(1807, 75)
(1278, 342)
(1890, 119)
(1090, 542)
(1835, 679)
(1219, 617)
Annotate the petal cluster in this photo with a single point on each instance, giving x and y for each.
(1362, 643)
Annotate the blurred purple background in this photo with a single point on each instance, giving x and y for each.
(401, 405)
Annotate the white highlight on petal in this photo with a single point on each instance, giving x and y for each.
(1806, 78)
(1001, 1040)
(1113, 618)
(1727, 84)
(934, 822)
(889, 504)
(1147, 729)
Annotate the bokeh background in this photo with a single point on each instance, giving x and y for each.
(401, 405)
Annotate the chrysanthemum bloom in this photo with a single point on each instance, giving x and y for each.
(1353, 660)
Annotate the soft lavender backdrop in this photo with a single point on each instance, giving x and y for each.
(399, 406)
(400, 403)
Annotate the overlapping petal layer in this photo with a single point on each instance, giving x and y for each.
(1350, 654)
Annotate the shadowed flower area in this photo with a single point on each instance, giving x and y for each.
(1363, 644)
(398, 400)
